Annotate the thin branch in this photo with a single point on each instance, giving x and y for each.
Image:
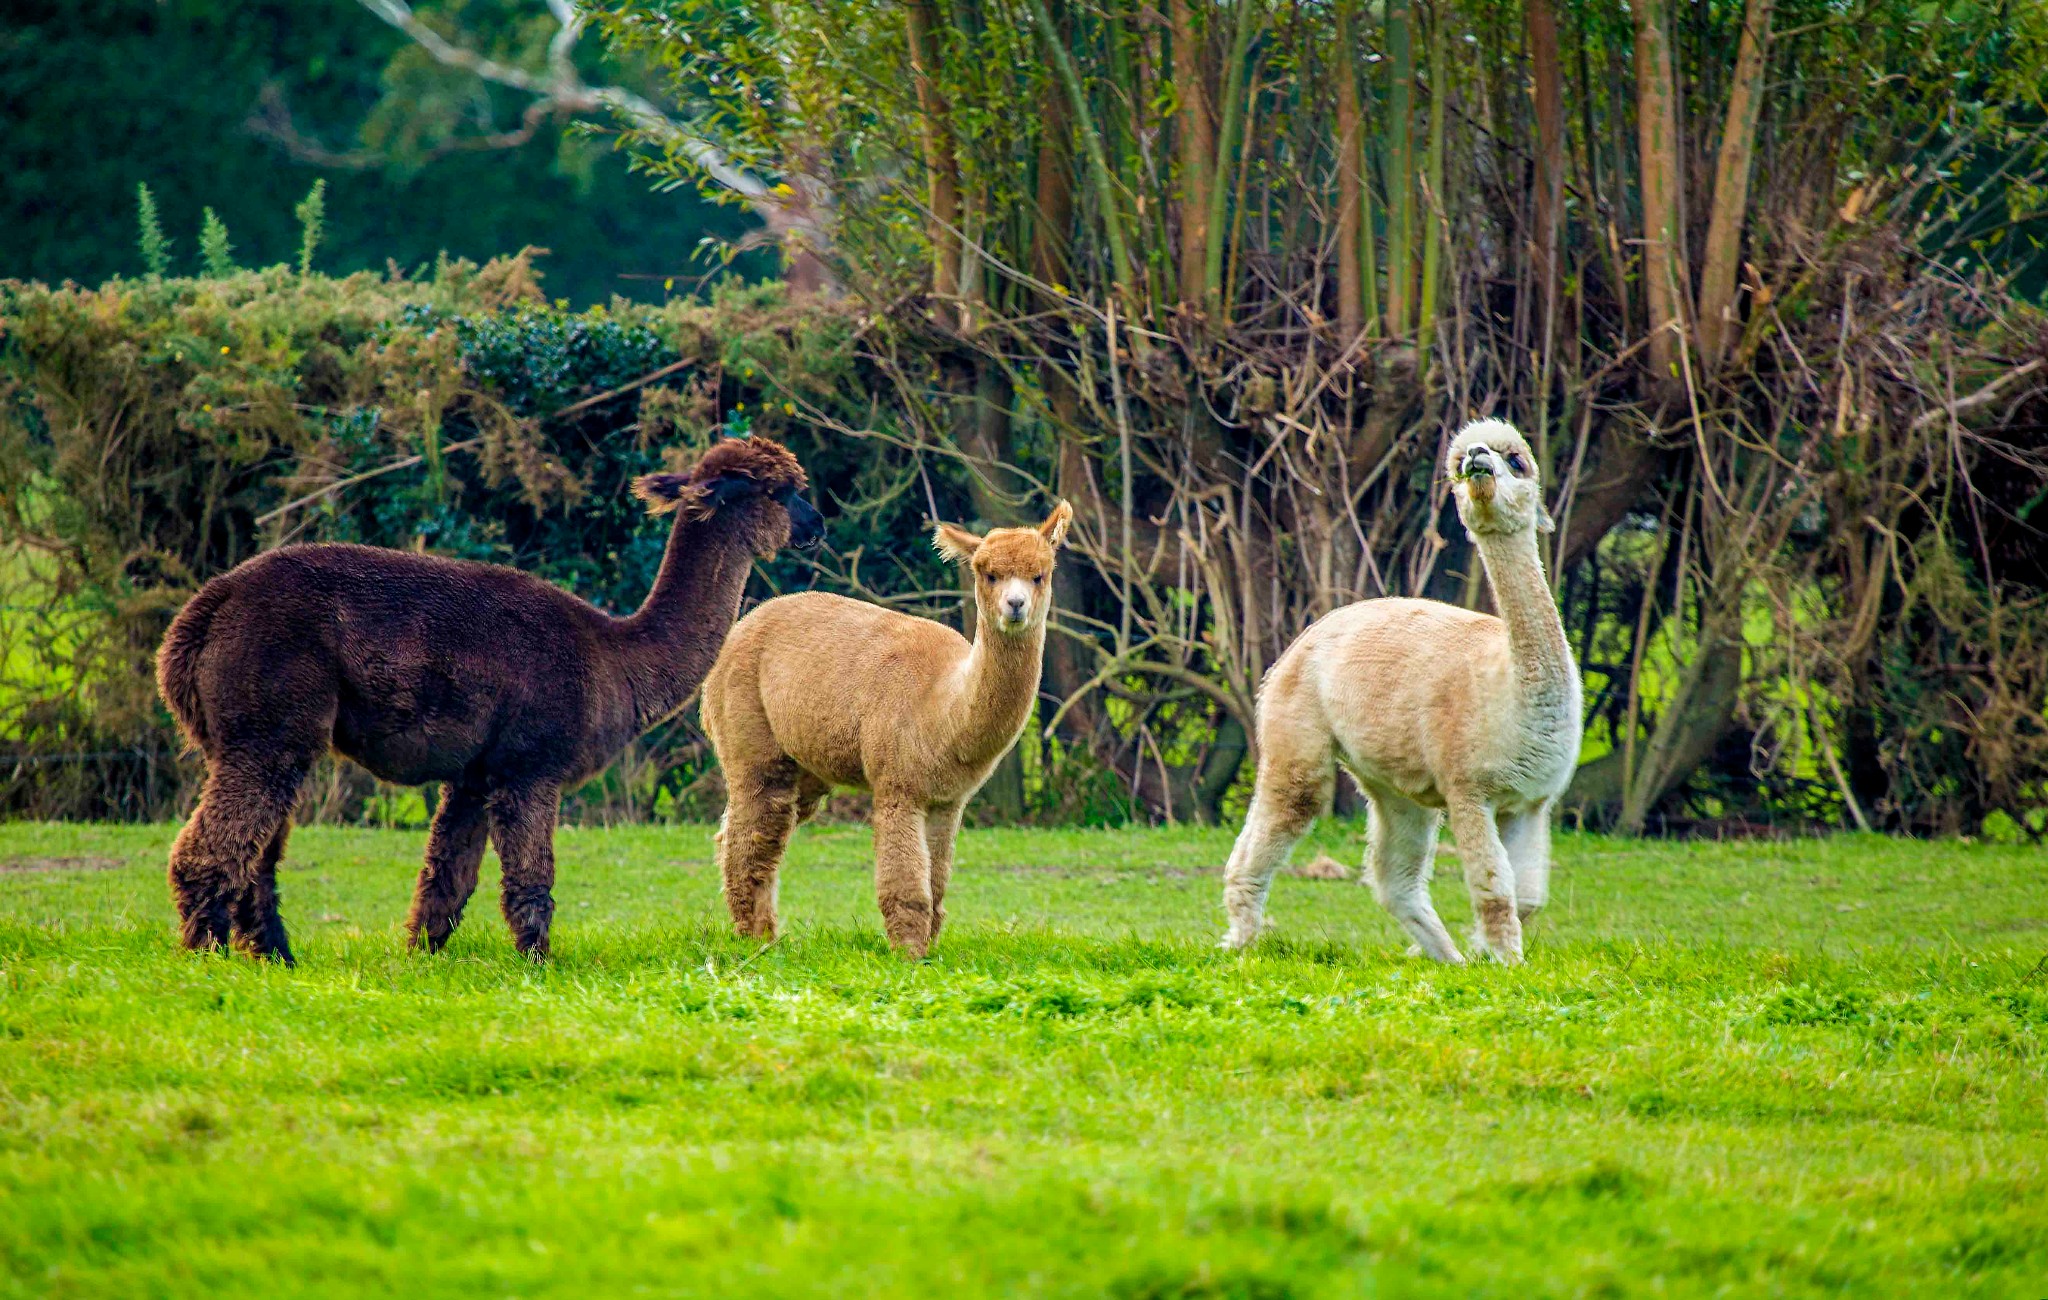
(568, 93)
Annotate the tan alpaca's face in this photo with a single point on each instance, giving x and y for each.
(1012, 568)
(1495, 480)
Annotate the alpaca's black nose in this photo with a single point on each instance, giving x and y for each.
(806, 525)
(1478, 460)
(1015, 606)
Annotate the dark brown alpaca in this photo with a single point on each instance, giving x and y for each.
(425, 669)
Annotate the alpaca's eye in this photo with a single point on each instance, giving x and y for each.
(988, 577)
(1516, 463)
(1038, 581)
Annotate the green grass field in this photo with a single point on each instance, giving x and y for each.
(1786, 1069)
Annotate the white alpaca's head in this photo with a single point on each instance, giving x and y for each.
(1012, 568)
(1495, 480)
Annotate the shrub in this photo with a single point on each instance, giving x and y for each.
(155, 433)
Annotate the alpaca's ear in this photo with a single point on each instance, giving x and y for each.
(1544, 523)
(664, 493)
(955, 544)
(1054, 529)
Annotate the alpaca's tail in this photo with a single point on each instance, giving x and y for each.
(177, 662)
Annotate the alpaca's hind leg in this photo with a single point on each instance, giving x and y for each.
(1489, 879)
(523, 824)
(760, 814)
(941, 829)
(1526, 836)
(220, 853)
(258, 927)
(1400, 856)
(455, 850)
(903, 873)
(1287, 798)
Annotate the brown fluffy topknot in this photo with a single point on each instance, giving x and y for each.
(763, 460)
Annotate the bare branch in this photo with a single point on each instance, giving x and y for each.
(272, 120)
(566, 92)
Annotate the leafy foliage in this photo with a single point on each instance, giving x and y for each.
(312, 214)
(158, 432)
(216, 253)
(156, 248)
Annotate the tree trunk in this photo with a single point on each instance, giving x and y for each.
(1547, 84)
(1110, 215)
(1400, 175)
(1616, 475)
(1350, 186)
(1688, 729)
(1051, 226)
(942, 170)
(1228, 164)
(1218, 770)
(1197, 142)
(1436, 213)
(1657, 146)
(1731, 187)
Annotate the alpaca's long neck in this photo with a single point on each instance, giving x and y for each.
(997, 690)
(1536, 640)
(668, 645)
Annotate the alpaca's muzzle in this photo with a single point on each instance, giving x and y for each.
(806, 525)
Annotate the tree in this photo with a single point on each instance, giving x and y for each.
(1126, 254)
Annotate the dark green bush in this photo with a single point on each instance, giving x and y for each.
(156, 433)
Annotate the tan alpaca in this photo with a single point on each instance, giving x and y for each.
(1433, 708)
(814, 691)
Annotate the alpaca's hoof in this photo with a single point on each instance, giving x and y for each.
(257, 952)
(1449, 957)
(427, 941)
(1501, 954)
(909, 927)
(1237, 938)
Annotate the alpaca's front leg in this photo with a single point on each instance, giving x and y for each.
(523, 825)
(1489, 879)
(455, 850)
(1526, 837)
(941, 828)
(903, 873)
(1401, 855)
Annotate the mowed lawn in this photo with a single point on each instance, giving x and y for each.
(1810, 1068)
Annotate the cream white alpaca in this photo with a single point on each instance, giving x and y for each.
(1433, 708)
